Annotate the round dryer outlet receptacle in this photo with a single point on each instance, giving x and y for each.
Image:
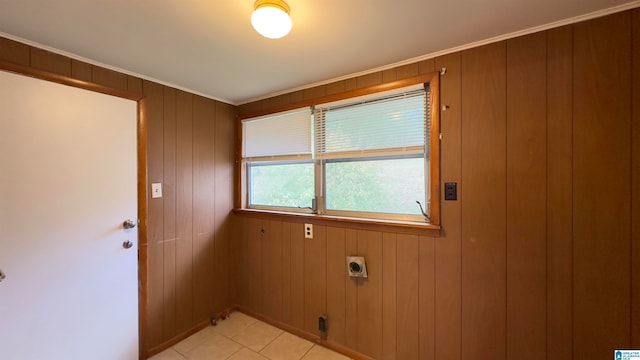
(356, 266)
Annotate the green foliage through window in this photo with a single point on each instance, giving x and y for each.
(384, 186)
(288, 185)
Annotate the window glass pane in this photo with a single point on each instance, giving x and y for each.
(289, 185)
(386, 186)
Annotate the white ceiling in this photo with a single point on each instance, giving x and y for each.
(209, 47)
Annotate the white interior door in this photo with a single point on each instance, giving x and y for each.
(68, 173)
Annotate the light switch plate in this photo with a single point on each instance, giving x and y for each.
(156, 190)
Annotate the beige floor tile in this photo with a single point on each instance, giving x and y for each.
(234, 324)
(262, 341)
(257, 336)
(207, 344)
(246, 354)
(168, 354)
(321, 353)
(287, 347)
(214, 347)
(192, 341)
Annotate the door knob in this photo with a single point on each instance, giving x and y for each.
(128, 224)
(127, 244)
(2, 276)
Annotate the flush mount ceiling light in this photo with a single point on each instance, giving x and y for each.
(271, 18)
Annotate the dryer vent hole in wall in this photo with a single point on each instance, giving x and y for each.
(356, 266)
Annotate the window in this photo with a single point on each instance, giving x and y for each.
(278, 156)
(358, 157)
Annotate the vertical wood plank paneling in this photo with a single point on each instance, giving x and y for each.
(408, 290)
(369, 321)
(389, 75)
(559, 193)
(427, 66)
(296, 96)
(389, 295)
(249, 107)
(484, 205)
(223, 287)
(251, 253)
(184, 211)
(235, 257)
(82, 71)
(169, 212)
(526, 196)
(426, 294)
(408, 70)
(335, 87)
(369, 80)
(314, 92)
(134, 84)
(286, 273)
(109, 78)
(51, 62)
(273, 102)
(447, 286)
(242, 224)
(203, 206)
(272, 269)
(601, 218)
(254, 252)
(297, 276)
(351, 292)
(155, 163)
(315, 278)
(351, 84)
(142, 220)
(635, 181)
(336, 273)
(15, 52)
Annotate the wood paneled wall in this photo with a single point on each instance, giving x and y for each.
(190, 144)
(190, 150)
(538, 258)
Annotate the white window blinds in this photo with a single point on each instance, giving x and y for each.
(385, 125)
(285, 136)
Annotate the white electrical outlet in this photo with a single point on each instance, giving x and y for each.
(308, 231)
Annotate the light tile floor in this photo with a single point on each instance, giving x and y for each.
(241, 337)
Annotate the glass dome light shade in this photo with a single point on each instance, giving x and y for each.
(271, 18)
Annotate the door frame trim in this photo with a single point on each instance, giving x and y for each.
(142, 175)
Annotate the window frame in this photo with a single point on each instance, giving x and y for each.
(433, 79)
(321, 196)
(304, 210)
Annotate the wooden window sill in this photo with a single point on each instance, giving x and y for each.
(403, 227)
